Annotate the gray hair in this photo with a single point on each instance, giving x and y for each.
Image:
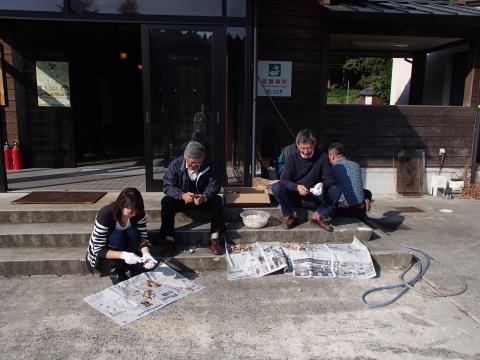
(305, 136)
(194, 150)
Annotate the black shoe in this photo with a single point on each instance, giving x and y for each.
(169, 248)
(117, 274)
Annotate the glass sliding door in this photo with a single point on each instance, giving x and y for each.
(184, 80)
(237, 147)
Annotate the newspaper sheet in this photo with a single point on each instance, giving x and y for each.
(264, 259)
(142, 294)
(332, 260)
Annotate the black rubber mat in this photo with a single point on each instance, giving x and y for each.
(60, 197)
(408, 209)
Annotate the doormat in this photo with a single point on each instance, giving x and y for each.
(408, 209)
(60, 197)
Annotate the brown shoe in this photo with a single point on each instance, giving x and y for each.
(169, 248)
(322, 223)
(215, 247)
(290, 221)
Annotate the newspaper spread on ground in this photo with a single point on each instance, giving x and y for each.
(331, 260)
(142, 294)
(260, 260)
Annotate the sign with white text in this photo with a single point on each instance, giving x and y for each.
(274, 78)
(53, 85)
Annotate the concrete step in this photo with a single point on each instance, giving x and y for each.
(42, 261)
(25, 215)
(237, 233)
(47, 234)
(63, 261)
(187, 234)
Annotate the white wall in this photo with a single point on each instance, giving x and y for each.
(400, 87)
(382, 182)
(438, 76)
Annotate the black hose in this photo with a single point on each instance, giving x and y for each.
(405, 288)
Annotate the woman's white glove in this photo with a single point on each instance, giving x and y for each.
(148, 261)
(130, 258)
(317, 189)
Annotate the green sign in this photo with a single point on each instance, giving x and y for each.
(274, 70)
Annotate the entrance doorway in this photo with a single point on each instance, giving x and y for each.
(106, 90)
(139, 93)
(194, 90)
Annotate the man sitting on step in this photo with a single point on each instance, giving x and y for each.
(355, 200)
(307, 182)
(191, 183)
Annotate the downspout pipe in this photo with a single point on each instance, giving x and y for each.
(476, 144)
(476, 140)
(254, 97)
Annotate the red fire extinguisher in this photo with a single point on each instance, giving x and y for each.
(7, 154)
(17, 156)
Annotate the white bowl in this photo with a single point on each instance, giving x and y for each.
(255, 219)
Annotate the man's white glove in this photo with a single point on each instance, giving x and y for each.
(317, 189)
(130, 258)
(148, 261)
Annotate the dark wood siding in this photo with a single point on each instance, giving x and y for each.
(9, 116)
(374, 135)
(291, 31)
(49, 129)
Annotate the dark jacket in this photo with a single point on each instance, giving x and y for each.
(176, 180)
(104, 226)
(307, 172)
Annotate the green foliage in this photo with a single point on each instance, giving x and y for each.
(368, 72)
(339, 96)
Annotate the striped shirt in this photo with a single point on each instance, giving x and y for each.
(104, 226)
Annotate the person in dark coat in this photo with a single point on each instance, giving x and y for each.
(307, 182)
(190, 182)
(119, 245)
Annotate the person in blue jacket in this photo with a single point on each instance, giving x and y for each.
(190, 182)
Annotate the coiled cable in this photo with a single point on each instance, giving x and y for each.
(407, 285)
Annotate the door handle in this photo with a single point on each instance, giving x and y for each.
(217, 117)
(147, 117)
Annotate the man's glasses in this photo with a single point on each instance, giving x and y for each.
(194, 163)
(305, 148)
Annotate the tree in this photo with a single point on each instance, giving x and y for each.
(369, 72)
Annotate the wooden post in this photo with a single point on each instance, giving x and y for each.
(324, 45)
(472, 80)
(472, 98)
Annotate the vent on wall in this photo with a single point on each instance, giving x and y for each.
(410, 170)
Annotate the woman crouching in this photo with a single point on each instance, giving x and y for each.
(119, 246)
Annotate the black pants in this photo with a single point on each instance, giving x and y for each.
(118, 270)
(352, 211)
(359, 211)
(171, 206)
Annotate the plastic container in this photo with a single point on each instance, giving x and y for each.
(255, 219)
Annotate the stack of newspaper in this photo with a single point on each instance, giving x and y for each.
(320, 260)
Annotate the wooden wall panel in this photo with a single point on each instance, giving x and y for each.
(374, 135)
(9, 112)
(291, 31)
